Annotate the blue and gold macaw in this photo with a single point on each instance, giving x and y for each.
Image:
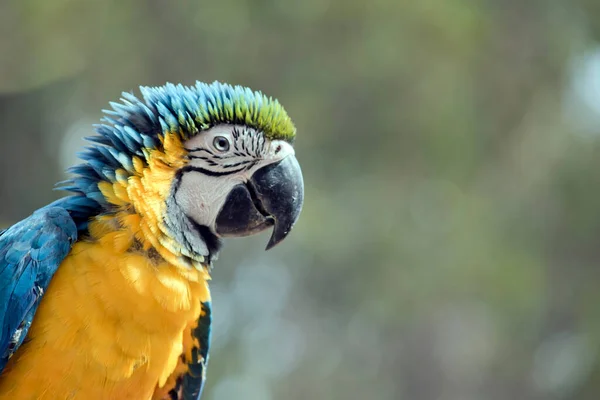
(104, 293)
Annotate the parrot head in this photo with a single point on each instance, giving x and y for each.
(238, 182)
(187, 166)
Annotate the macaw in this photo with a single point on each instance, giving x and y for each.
(104, 293)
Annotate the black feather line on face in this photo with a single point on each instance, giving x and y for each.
(247, 143)
(252, 165)
(208, 172)
(194, 157)
(237, 164)
(236, 133)
(198, 149)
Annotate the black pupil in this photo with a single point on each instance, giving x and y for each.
(221, 143)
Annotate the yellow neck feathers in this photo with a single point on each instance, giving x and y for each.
(140, 199)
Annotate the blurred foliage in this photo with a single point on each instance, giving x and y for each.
(449, 244)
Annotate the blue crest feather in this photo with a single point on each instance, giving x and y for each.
(134, 126)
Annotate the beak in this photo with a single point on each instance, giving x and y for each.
(272, 197)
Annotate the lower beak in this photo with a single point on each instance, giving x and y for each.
(272, 197)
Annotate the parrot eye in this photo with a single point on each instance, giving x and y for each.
(221, 143)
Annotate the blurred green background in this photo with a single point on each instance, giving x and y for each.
(449, 245)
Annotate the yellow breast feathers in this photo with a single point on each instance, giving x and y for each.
(111, 326)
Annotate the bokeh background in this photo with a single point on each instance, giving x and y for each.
(449, 245)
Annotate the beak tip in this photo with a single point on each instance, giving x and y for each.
(276, 238)
(273, 197)
(282, 200)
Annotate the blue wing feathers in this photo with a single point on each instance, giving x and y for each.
(189, 385)
(30, 252)
(194, 379)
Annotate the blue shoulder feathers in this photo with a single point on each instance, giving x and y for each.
(30, 252)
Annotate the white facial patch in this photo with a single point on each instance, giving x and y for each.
(221, 158)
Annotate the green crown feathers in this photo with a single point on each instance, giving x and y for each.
(202, 106)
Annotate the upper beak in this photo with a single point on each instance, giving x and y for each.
(273, 196)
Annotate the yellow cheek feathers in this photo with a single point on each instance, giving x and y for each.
(140, 201)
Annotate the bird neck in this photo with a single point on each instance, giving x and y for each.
(140, 210)
(134, 203)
